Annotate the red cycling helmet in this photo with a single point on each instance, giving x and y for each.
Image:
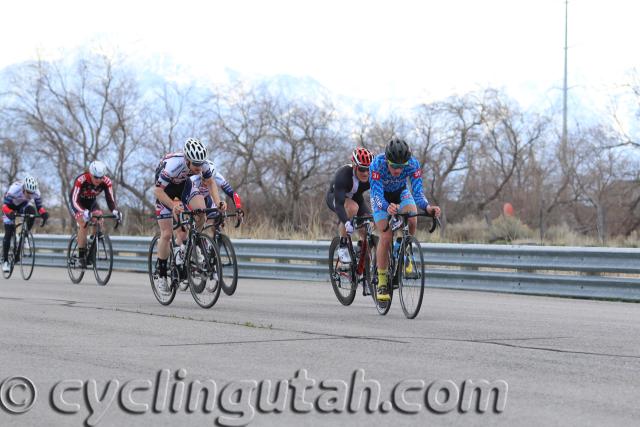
(361, 157)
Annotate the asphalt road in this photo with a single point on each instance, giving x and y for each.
(101, 353)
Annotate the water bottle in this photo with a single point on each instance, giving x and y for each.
(178, 254)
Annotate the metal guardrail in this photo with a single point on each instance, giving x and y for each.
(544, 270)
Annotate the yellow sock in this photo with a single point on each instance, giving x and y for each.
(382, 278)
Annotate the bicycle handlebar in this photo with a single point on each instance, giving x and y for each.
(434, 223)
(109, 216)
(26, 215)
(361, 221)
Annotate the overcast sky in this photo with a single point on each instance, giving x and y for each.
(373, 50)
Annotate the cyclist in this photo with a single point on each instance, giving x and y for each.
(16, 200)
(389, 172)
(221, 181)
(83, 201)
(345, 196)
(172, 181)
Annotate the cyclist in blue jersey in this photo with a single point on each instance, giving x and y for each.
(388, 174)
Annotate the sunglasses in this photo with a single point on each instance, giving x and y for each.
(363, 168)
(397, 165)
(197, 164)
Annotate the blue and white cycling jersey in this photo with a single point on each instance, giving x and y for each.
(383, 182)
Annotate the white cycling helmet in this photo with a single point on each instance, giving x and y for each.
(97, 169)
(30, 184)
(195, 151)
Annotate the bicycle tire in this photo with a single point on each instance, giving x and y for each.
(164, 299)
(28, 257)
(411, 291)
(337, 277)
(210, 269)
(382, 306)
(102, 253)
(228, 259)
(11, 258)
(74, 268)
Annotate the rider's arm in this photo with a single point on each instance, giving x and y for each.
(339, 197)
(75, 193)
(416, 184)
(108, 193)
(378, 202)
(162, 196)
(213, 190)
(228, 190)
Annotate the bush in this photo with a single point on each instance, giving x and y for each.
(508, 229)
(470, 230)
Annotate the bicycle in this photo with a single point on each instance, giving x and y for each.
(99, 252)
(406, 267)
(345, 280)
(201, 263)
(227, 252)
(24, 251)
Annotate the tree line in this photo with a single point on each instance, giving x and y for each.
(478, 150)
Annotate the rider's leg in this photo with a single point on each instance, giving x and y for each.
(408, 205)
(9, 229)
(382, 253)
(164, 244)
(29, 210)
(197, 202)
(82, 237)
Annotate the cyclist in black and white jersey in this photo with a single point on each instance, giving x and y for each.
(172, 182)
(345, 196)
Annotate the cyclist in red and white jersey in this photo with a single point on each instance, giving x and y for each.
(83, 201)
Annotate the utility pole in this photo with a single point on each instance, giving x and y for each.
(564, 89)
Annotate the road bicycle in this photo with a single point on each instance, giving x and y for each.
(200, 264)
(22, 249)
(406, 271)
(98, 255)
(346, 277)
(228, 258)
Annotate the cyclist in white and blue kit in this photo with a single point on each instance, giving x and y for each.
(388, 175)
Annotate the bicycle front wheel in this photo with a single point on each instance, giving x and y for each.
(74, 266)
(382, 306)
(11, 257)
(27, 255)
(411, 277)
(341, 275)
(102, 259)
(229, 264)
(164, 288)
(204, 271)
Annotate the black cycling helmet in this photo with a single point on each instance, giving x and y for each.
(397, 151)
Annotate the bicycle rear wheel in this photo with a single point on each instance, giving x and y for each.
(382, 306)
(411, 277)
(164, 298)
(11, 257)
(229, 264)
(204, 271)
(342, 279)
(74, 267)
(102, 258)
(27, 255)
